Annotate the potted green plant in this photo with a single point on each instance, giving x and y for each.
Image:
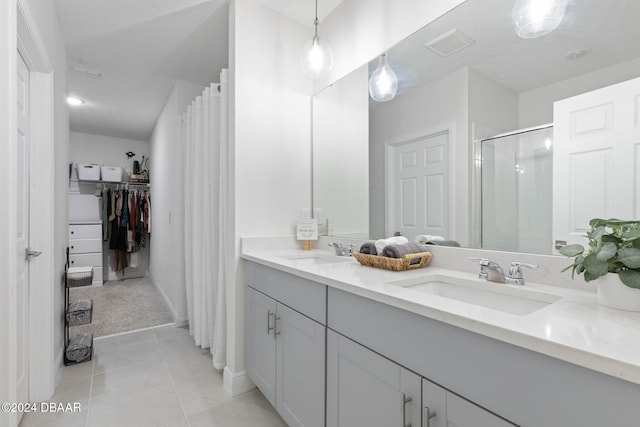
(613, 247)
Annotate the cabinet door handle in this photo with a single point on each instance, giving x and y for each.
(270, 315)
(276, 329)
(405, 400)
(426, 417)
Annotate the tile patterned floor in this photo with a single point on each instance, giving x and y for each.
(156, 377)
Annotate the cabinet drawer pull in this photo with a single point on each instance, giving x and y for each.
(405, 400)
(426, 417)
(276, 330)
(270, 315)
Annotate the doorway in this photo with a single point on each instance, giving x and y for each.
(418, 185)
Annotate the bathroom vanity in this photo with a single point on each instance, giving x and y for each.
(331, 342)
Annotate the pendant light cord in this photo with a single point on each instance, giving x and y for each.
(315, 23)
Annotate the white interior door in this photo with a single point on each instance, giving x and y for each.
(418, 186)
(22, 216)
(596, 159)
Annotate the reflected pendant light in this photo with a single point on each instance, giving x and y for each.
(383, 83)
(317, 58)
(535, 18)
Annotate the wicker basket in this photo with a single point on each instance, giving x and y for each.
(79, 276)
(407, 262)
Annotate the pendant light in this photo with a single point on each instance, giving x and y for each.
(535, 18)
(317, 58)
(383, 83)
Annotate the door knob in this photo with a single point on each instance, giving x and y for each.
(28, 252)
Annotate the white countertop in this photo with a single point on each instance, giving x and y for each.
(575, 329)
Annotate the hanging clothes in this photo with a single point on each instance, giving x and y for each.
(126, 220)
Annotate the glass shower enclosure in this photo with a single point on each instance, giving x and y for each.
(516, 190)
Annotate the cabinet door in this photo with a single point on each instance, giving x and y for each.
(365, 389)
(301, 368)
(261, 343)
(449, 410)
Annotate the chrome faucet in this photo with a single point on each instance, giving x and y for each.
(492, 271)
(342, 250)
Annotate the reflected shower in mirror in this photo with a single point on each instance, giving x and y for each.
(468, 76)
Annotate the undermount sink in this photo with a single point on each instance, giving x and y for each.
(509, 299)
(316, 258)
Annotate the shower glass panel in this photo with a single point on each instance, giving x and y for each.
(516, 191)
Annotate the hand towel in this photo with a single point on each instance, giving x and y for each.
(396, 240)
(368, 248)
(400, 250)
(444, 243)
(424, 238)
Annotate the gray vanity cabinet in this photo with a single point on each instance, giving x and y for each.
(261, 343)
(365, 389)
(285, 354)
(445, 409)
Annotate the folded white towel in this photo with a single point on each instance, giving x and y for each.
(424, 238)
(395, 240)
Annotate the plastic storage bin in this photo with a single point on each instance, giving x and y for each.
(113, 174)
(89, 172)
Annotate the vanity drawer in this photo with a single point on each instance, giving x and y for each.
(85, 231)
(83, 246)
(86, 260)
(305, 296)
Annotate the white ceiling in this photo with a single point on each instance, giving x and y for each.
(609, 28)
(140, 47)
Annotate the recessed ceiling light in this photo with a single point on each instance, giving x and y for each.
(72, 100)
(577, 53)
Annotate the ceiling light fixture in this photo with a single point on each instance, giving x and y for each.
(73, 101)
(383, 83)
(535, 18)
(317, 58)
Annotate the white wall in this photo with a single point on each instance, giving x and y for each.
(536, 106)
(167, 246)
(340, 161)
(86, 148)
(270, 142)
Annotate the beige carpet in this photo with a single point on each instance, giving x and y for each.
(122, 306)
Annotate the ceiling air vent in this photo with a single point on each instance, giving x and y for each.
(450, 42)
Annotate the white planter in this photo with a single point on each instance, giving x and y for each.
(615, 294)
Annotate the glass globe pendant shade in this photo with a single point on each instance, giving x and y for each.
(535, 18)
(383, 83)
(317, 58)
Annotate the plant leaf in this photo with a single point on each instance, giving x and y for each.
(571, 250)
(630, 257)
(594, 268)
(631, 278)
(607, 251)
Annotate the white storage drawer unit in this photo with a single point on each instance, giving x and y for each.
(85, 248)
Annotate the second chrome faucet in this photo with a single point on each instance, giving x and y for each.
(492, 271)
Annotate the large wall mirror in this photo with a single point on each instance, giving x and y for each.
(467, 148)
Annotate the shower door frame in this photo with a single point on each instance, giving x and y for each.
(476, 180)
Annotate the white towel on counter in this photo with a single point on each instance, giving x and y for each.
(424, 238)
(395, 240)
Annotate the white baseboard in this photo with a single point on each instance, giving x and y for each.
(178, 322)
(236, 383)
(58, 366)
